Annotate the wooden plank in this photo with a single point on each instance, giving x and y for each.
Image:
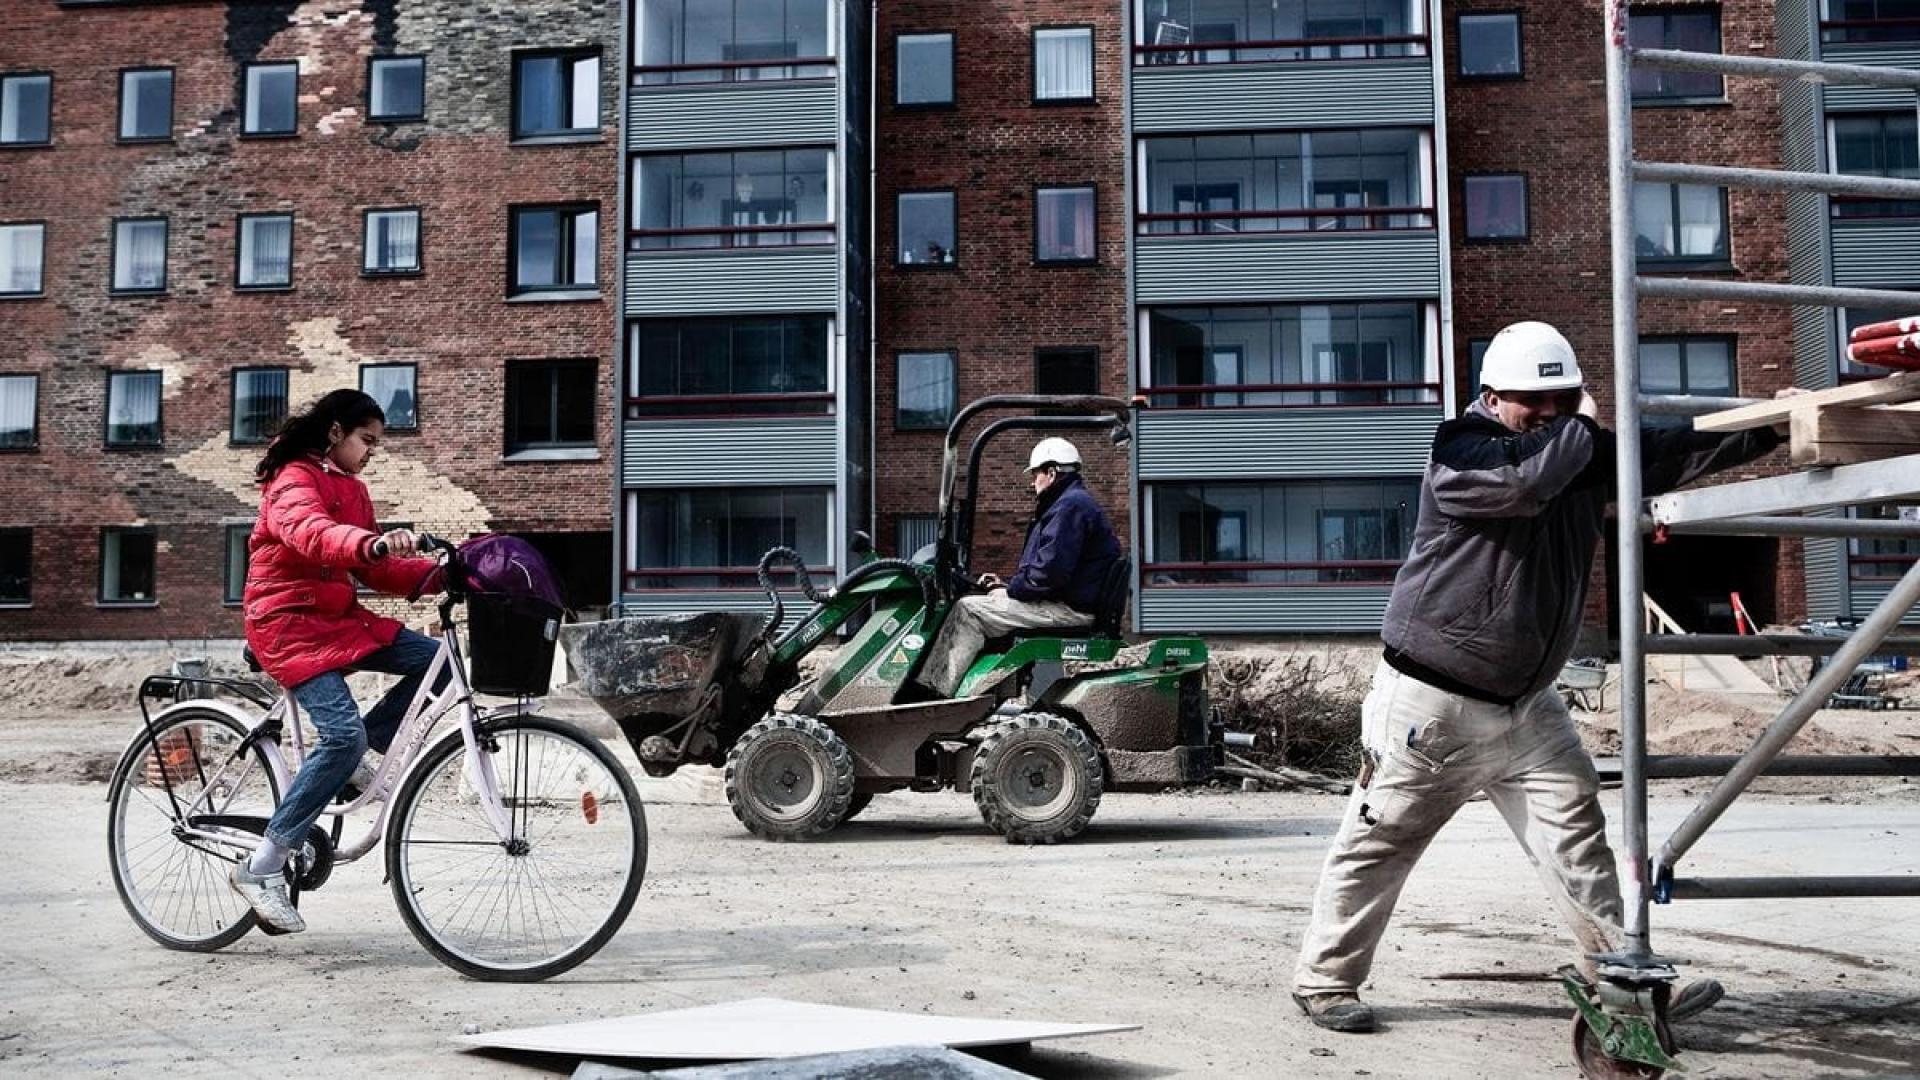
(1904, 386)
(1848, 436)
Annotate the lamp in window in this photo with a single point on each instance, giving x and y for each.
(743, 188)
(696, 191)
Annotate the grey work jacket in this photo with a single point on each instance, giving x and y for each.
(1489, 599)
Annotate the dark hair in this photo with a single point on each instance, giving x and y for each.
(307, 433)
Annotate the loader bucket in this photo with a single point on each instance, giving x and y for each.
(662, 665)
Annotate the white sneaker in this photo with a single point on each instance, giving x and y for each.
(267, 895)
(358, 783)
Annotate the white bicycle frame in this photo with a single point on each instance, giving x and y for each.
(422, 714)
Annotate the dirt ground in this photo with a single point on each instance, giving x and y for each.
(1178, 912)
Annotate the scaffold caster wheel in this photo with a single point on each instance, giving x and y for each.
(1596, 1064)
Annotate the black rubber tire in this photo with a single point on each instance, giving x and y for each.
(790, 778)
(1595, 1063)
(1037, 779)
(119, 789)
(400, 815)
(861, 800)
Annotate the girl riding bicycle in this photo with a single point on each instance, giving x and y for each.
(315, 536)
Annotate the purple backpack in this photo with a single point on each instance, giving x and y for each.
(509, 566)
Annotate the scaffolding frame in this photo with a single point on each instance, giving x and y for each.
(1634, 978)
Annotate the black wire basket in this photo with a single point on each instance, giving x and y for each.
(510, 644)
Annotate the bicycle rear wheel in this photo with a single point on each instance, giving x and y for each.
(539, 903)
(190, 765)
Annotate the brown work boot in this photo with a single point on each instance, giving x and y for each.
(1340, 1010)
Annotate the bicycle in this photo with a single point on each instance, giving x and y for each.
(515, 844)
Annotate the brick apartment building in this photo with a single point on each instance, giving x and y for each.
(1291, 226)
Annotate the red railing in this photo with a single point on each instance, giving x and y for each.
(1863, 31)
(1209, 52)
(639, 408)
(636, 238)
(1857, 563)
(729, 70)
(1209, 390)
(1229, 221)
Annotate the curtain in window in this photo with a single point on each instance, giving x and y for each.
(17, 394)
(24, 109)
(133, 411)
(395, 241)
(541, 95)
(261, 403)
(539, 248)
(1700, 221)
(1063, 64)
(1066, 224)
(20, 257)
(392, 387)
(266, 251)
(142, 261)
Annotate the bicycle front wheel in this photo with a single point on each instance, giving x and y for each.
(550, 895)
(169, 853)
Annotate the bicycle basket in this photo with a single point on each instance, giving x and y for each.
(510, 644)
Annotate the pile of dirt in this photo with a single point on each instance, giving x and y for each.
(1693, 722)
(1301, 704)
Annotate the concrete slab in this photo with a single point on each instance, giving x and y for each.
(772, 1028)
(919, 1062)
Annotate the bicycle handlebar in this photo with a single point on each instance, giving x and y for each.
(425, 542)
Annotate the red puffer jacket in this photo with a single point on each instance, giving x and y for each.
(314, 537)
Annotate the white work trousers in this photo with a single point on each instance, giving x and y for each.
(1432, 752)
(975, 619)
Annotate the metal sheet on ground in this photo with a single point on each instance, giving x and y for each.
(919, 1062)
(772, 1028)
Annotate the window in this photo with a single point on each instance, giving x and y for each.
(1063, 224)
(556, 94)
(1490, 46)
(1293, 354)
(234, 577)
(1876, 144)
(16, 567)
(926, 228)
(925, 390)
(392, 242)
(22, 258)
(743, 198)
(1688, 29)
(1687, 365)
(272, 97)
(133, 408)
(259, 403)
(914, 533)
(554, 248)
(729, 366)
(146, 104)
(697, 41)
(923, 70)
(19, 412)
(394, 387)
(714, 537)
(265, 256)
(140, 255)
(1496, 207)
(1287, 181)
(396, 88)
(26, 110)
(1476, 353)
(1870, 21)
(1302, 532)
(126, 565)
(1679, 223)
(550, 405)
(1883, 558)
(1066, 371)
(1244, 31)
(1063, 64)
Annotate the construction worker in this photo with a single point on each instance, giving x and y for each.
(1482, 617)
(1070, 548)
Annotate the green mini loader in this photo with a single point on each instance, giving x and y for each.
(1035, 745)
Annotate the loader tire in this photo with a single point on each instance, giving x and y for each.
(1037, 779)
(790, 778)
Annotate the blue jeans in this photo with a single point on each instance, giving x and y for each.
(343, 736)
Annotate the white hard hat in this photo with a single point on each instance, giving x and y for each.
(1530, 356)
(1053, 451)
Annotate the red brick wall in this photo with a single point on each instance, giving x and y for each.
(1551, 126)
(997, 307)
(452, 320)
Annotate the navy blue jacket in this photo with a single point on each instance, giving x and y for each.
(1070, 548)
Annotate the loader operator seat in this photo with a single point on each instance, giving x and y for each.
(1115, 591)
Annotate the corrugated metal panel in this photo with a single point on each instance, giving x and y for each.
(1866, 595)
(1804, 148)
(1872, 254)
(1825, 559)
(1287, 95)
(1794, 29)
(721, 453)
(737, 114)
(693, 603)
(1297, 266)
(741, 281)
(1188, 444)
(1345, 609)
(1868, 98)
